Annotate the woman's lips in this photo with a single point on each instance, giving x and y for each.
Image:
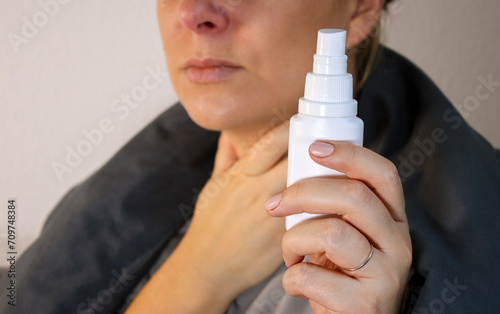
(209, 70)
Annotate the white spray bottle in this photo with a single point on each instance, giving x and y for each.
(326, 112)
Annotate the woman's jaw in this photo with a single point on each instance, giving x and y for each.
(244, 120)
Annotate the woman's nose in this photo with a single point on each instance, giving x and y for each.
(203, 17)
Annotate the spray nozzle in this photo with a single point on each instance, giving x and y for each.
(328, 90)
(331, 42)
(330, 58)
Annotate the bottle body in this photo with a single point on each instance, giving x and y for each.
(327, 112)
(305, 130)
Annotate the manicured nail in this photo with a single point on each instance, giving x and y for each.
(320, 149)
(273, 202)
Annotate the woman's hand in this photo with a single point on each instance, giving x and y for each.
(366, 208)
(231, 243)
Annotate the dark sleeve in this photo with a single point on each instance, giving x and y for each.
(106, 232)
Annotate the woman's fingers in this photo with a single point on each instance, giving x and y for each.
(329, 288)
(342, 244)
(351, 199)
(363, 208)
(274, 180)
(267, 151)
(226, 155)
(362, 164)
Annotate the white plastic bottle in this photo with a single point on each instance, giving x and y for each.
(326, 112)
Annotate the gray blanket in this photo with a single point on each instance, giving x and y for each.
(108, 231)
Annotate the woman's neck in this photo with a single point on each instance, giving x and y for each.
(245, 138)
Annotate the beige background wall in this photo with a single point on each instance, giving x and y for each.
(68, 77)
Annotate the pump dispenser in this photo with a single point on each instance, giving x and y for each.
(327, 112)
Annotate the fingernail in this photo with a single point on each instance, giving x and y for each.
(273, 202)
(320, 149)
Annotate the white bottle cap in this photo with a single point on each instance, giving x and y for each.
(328, 90)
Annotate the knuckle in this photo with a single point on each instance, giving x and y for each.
(335, 232)
(301, 273)
(407, 257)
(296, 278)
(350, 151)
(350, 154)
(392, 174)
(295, 191)
(359, 192)
(287, 241)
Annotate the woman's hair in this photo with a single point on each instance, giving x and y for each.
(366, 53)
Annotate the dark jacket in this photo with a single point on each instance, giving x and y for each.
(106, 232)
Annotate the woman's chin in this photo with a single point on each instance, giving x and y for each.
(216, 117)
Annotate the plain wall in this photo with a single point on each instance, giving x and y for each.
(64, 80)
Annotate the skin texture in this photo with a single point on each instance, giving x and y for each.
(233, 243)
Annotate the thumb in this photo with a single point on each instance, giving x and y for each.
(225, 156)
